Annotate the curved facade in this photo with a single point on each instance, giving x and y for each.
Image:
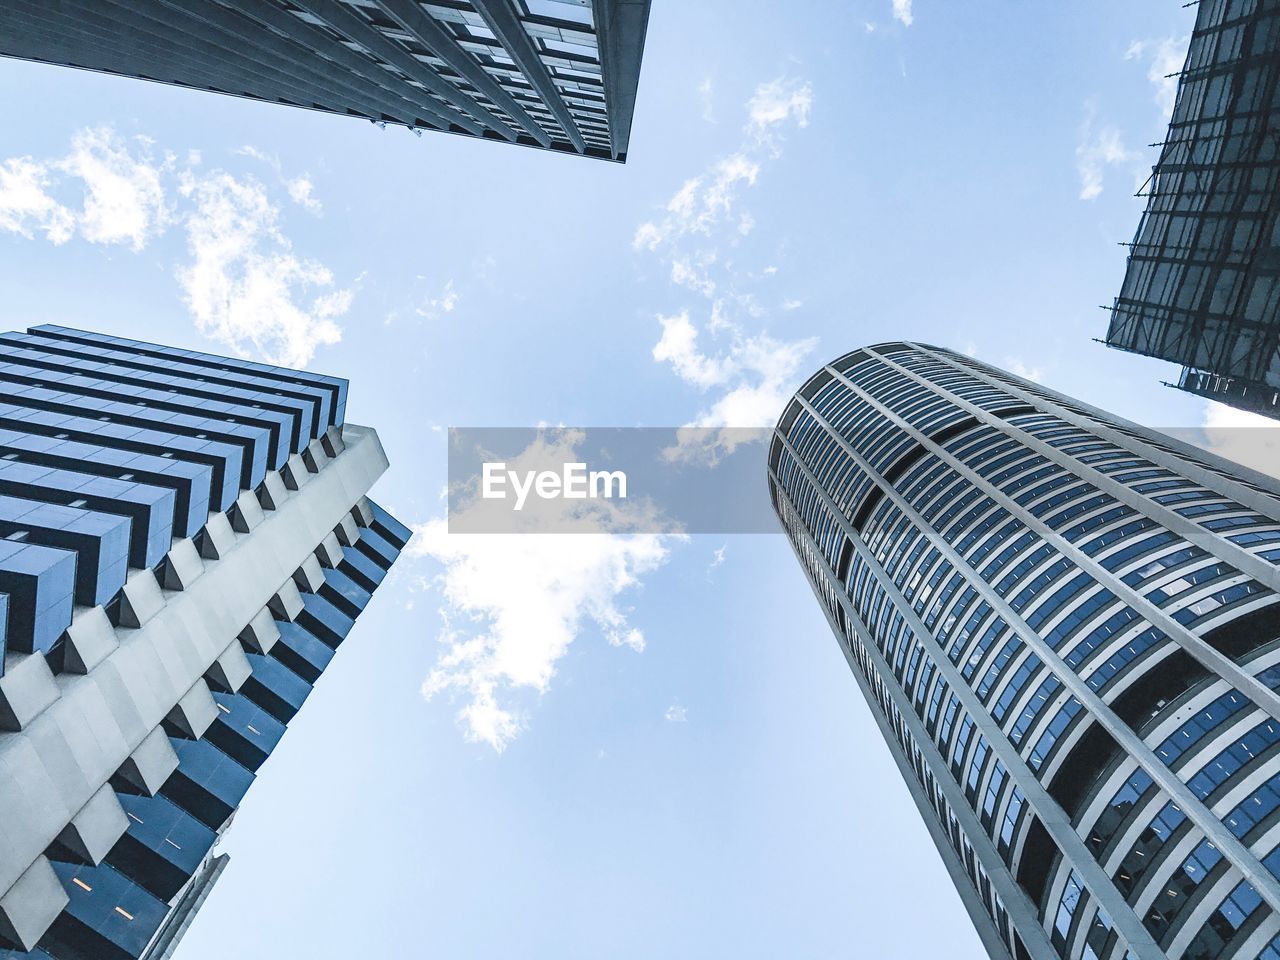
(1068, 631)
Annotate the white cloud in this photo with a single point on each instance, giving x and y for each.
(762, 372)
(26, 206)
(1020, 369)
(792, 304)
(779, 100)
(1165, 59)
(706, 94)
(754, 372)
(717, 557)
(515, 602)
(676, 714)
(124, 198)
(301, 191)
(691, 274)
(902, 12)
(244, 285)
(1097, 151)
(445, 302)
(678, 346)
(1244, 437)
(702, 203)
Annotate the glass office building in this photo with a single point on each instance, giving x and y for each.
(1068, 630)
(555, 74)
(185, 543)
(1203, 283)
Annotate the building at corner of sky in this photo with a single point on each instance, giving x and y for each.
(185, 542)
(1067, 627)
(1202, 288)
(556, 74)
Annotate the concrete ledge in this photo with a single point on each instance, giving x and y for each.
(362, 513)
(95, 829)
(231, 669)
(218, 539)
(141, 599)
(33, 902)
(329, 553)
(195, 712)
(262, 633)
(287, 603)
(295, 473)
(273, 492)
(315, 457)
(246, 513)
(332, 441)
(90, 640)
(182, 566)
(26, 690)
(149, 766)
(347, 531)
(310, 576)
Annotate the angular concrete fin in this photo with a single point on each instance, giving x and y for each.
(29, 906)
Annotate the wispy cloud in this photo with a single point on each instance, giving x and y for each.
(778, 101)
(242, 282)
(26, 208)
(300, 187)
(446, 301)
(676, 714)
(302, 191)
(124, 200)
(514, 603)
(1100, 147)
(902, 12)
(121, 199)
(706, 93)
(719, 345)
(1165, 58)
(717, 557)
(1247, 438)
(1020, 369)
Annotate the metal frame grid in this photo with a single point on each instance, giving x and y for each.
(555, 74)
(1202, 286)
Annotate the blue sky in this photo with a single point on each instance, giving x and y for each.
(608, 747)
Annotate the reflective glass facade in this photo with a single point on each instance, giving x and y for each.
(184, 545)
(1203, 283)
(556, 74)
(1068, 630)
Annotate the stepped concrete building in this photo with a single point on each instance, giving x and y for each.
(1203, 283)
(1068, 630)
(556, 74)
(185, 542)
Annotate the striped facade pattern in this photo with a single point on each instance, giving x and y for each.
(1068, 631)
(150, 489)
(555, 74)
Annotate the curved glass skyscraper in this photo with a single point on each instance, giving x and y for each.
(1068, 630)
